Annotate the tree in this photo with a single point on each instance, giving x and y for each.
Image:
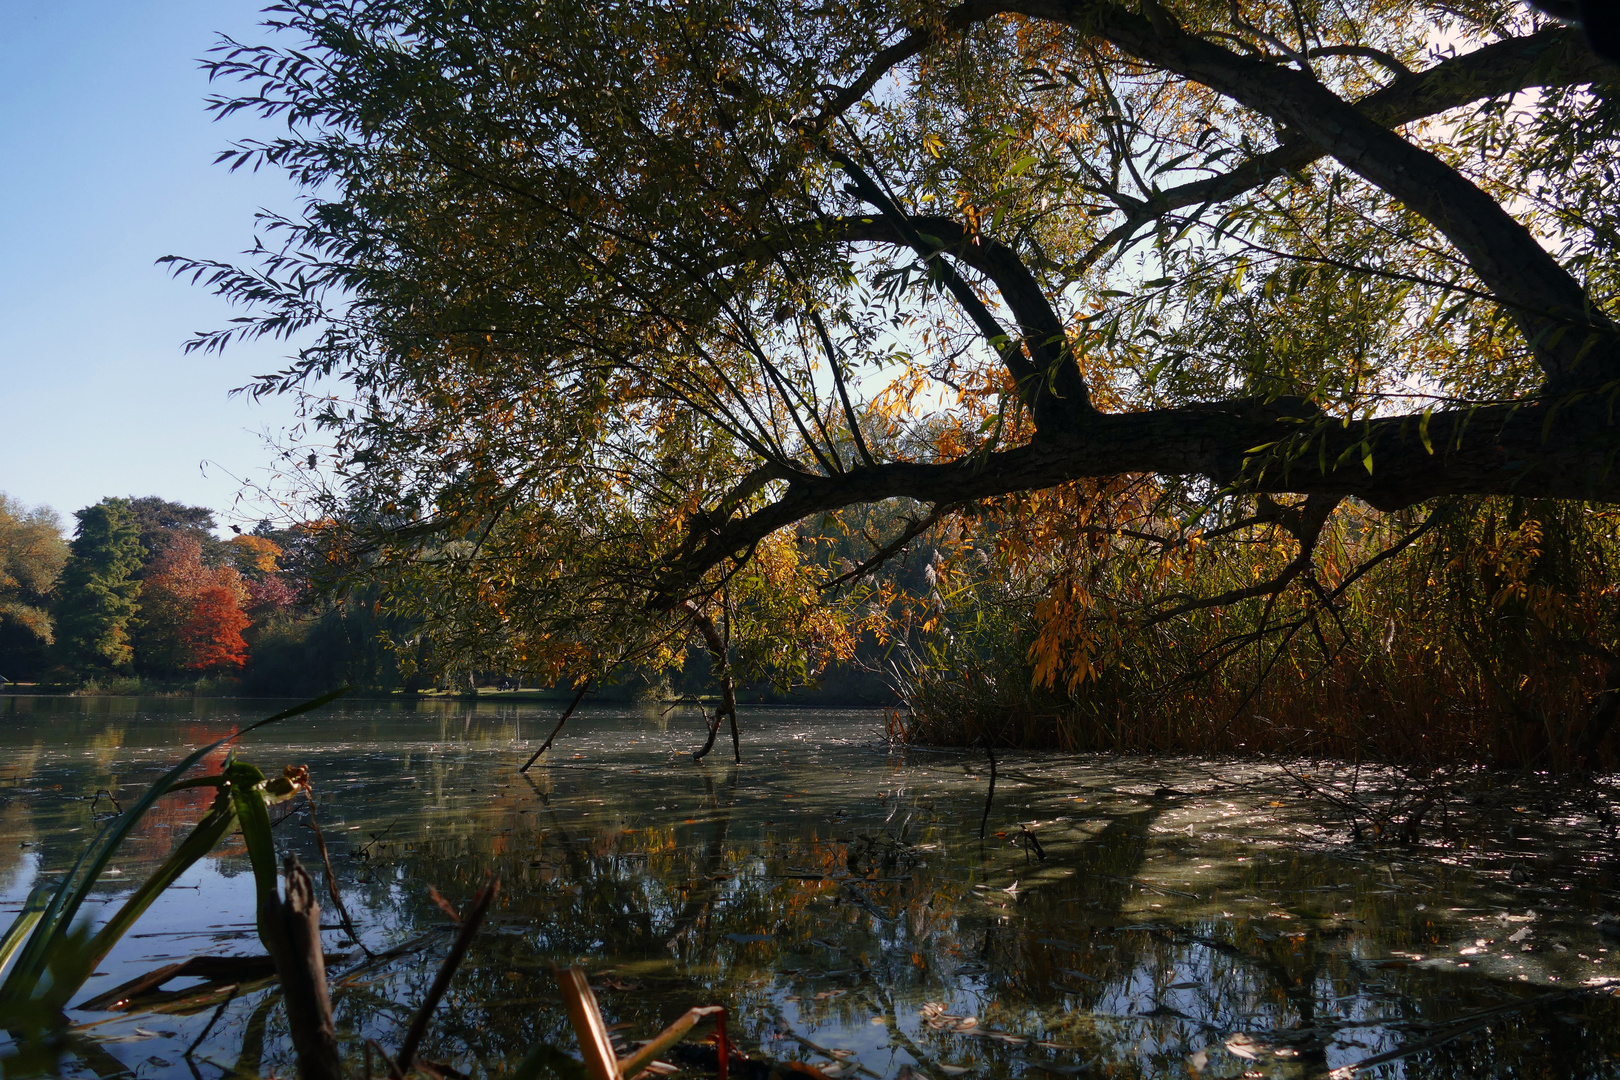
(96, 594)
(191, 614)
(213, 634)
(253, 556)
(160, 520)
(621, 293)
(270, 593)
(32, 552)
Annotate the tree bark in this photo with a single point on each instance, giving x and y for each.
(1279, 447)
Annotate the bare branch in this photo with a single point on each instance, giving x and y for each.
(914, 528)
(1552, 309)
(1305, 523)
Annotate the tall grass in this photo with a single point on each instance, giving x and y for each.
(1488, 635)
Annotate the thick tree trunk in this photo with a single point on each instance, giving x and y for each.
(1566, 450)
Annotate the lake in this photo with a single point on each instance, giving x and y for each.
(1118, 917)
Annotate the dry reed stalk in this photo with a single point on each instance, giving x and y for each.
(596, 1047)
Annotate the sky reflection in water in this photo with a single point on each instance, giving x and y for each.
(1188, 918)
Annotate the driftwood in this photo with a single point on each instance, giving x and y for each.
(302, 967)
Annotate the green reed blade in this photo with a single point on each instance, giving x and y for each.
(53, 923)
(254, 817)
(26, 919)
(199, 842)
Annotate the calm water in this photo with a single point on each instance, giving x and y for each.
(1188, 918)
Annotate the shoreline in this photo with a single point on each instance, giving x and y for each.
(526, 695)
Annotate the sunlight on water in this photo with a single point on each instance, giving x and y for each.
(1168, 918)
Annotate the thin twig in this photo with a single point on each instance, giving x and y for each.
(572, 705)
(447, 970)
(331, 878)
(914, 529)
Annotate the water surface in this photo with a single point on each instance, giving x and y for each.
(1169, 918)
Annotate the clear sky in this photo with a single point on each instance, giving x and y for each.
(105, 165)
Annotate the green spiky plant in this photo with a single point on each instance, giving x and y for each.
(45, 956)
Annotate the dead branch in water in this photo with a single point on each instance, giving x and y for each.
(470, 923)
(302, 967)
(572, 705)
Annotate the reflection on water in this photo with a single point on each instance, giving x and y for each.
(1187, 918)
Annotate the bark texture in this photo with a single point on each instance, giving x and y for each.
(302, 967)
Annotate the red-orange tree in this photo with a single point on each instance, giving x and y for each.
(621, 292)
(190, 616)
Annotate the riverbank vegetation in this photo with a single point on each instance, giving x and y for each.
(1484, 637)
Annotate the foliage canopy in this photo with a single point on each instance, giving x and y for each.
(626, 308)
(32, 552)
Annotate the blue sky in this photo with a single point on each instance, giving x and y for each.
(105, 165)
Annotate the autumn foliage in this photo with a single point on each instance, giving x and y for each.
(1198, 346)
(191, 614)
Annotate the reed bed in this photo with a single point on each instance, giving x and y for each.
(1490, 638)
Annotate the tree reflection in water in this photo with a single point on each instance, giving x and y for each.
(834, 895)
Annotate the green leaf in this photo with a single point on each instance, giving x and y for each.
(27, 918)
(254, 816)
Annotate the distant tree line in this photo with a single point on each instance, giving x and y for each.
(145, 591)
(145, 595)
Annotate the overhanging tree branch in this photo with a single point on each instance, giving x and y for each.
(1576, 344)
(1554, 57)
(1056, 394)
(1557, 451)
